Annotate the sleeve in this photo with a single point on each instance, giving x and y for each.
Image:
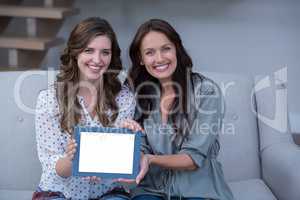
(126, 103)
(202, 141)
(145, 147)
(50, 145)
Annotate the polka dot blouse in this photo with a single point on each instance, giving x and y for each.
(52, 142)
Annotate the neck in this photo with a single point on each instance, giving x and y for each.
(166, 99)
(89, 87)
(167, 86)
(87, 91)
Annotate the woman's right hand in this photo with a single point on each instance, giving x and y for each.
(71, 149)
(144, 167)
(63, 166)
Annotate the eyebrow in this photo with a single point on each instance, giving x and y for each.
(100, 49)
(167, 44)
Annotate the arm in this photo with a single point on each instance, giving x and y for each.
(179, 162)
(49, 137)
(201, 142)
(63, 166)
(207, 109)
(176, 161)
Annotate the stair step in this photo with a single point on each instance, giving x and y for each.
(7, 68)
(29, 43)
(36, 12)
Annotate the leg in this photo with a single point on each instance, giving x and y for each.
(195, 198)
(115, 197)
(47, 195)
(48, 198)
(147, 197)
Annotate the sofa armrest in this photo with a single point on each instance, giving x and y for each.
(280, 169)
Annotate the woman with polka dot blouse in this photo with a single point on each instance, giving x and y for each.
(87, 92)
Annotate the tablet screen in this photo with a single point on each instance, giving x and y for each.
(106, 152)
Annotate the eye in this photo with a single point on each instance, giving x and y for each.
(167, 48)
(106, 52)
(149, 53)
(88, 50)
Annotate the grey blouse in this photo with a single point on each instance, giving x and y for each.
(207, 181)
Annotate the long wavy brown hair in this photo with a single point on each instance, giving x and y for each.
(67, 84)
(138, 75)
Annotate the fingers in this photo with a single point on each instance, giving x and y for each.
(86, 178)
(140, 176)
(125, 180)
(144, 165)
(133, 125)
(94, 179)
(71, 149)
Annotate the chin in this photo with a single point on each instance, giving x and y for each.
(163, 76)
(94, 77)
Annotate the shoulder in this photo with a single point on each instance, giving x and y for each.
(47, 93)
(47, 101)
(207, 94)
(203, 85)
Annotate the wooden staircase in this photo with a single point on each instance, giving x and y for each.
(42, 23)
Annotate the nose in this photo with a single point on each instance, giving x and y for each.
(159, 57)
(97, 58)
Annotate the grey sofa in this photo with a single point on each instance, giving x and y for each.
(259, 162)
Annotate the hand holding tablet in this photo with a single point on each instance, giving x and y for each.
(106, 152)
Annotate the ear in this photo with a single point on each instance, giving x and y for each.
(141, 60)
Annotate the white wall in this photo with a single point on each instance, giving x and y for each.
(239, 36)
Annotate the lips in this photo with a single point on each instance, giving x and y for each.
(95, 68)
(161, 67)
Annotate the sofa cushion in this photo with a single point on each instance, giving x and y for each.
(251, 189)
(16, 194)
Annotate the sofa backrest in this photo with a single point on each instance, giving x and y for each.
(20, 168)
(239, 139)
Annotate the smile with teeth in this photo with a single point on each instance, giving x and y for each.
(95, 67)
(161, 67)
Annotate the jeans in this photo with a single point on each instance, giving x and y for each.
(114, 197)
(153, 197)
(116, 194)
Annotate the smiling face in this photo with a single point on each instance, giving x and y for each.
(94, 60)
(158, 55)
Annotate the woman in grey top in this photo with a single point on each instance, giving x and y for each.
(181, 114)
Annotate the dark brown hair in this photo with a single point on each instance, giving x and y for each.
(68, 77)
(138, 73)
